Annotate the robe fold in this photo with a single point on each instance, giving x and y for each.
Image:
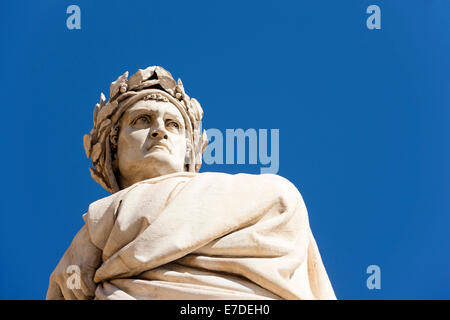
(206, 236)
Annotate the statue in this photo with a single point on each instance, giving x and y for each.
(169, 232)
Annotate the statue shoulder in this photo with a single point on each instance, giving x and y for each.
(281, 186)
(103, 209)
(100, 218)
(99, 206)
(270, 183)
(278, 181)
(108, 205)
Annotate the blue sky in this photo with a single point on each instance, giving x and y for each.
(363, 119)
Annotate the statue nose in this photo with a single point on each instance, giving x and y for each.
(159, 129)
(158, 133)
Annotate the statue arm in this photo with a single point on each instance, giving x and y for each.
(73, 277)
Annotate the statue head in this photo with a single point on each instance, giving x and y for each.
(149, 127)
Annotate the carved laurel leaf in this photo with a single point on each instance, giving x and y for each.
(139, 77)
(198, 110)
(106, 111)
(192, 117)
(96, 110)
(96, 151)
(115, 86)
(87, 144)
(204, 142)
(109, 174)
(101, 163)
(102, 99)
(103, 125)
(171, 92)
(180, 84)
(147, 84)
(167, 83)
(99, 179)
(161, 72)
(126, 96)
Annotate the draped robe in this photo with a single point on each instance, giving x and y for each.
(203, 236)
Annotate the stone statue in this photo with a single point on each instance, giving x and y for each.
(169, 232)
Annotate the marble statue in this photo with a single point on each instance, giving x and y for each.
(170, 232)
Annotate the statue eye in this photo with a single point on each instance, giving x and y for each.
(142, 120)
(173, 124)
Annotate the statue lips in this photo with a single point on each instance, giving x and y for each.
(159, 145)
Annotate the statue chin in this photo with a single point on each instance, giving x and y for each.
(158, 152)
(159, 160)
(154, 164)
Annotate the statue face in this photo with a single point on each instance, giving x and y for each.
(151, 143)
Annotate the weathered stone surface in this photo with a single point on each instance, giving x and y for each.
(168, 232)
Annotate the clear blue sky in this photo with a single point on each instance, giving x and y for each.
(363, 118)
